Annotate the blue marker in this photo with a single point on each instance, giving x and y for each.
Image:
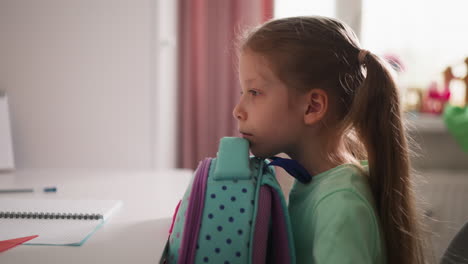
(50, 189)
(24, 190)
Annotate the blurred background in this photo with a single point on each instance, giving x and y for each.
(150, 84)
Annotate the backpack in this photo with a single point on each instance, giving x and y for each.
(232, 212)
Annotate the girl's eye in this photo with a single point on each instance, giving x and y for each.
(253, 92)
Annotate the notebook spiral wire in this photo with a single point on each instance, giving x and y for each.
(40, 215)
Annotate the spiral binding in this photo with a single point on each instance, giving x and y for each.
(39, 215)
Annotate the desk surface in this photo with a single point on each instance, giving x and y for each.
(134, 234)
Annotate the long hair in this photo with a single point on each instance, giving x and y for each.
(319, 52)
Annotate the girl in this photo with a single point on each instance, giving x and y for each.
(310, 91)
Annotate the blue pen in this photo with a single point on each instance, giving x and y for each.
(50, 189)
(23, 190)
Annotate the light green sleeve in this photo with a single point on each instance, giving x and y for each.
(345, 230)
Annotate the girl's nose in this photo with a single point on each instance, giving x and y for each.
(238, 113)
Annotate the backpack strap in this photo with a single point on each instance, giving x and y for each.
(232, 159)
(195, 209)
(293, 167)
(262, 226)
(280, 247)
(271, 241)
(282, 251)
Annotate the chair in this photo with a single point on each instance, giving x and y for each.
(457, 251)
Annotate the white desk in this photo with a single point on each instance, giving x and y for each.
(134, 234)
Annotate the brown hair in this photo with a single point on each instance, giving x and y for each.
(319, 52)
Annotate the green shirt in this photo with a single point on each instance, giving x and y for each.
(334, 219)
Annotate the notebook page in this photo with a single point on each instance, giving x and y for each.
(54, 231)
(51, 232)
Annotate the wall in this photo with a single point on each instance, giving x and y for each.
(82, 81)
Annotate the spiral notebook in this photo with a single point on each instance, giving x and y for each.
(57, 222)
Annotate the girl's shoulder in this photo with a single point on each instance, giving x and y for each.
(347, 182)
(337, 210)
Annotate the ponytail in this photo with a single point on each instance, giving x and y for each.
(376, 117)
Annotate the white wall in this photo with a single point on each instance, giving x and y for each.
(81, 76)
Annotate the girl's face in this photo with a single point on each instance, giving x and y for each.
(266, 117)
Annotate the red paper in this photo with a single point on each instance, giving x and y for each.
(7, 244)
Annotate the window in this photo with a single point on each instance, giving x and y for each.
(426, 35)
(287, 8)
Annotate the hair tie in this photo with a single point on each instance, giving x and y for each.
(362, 55)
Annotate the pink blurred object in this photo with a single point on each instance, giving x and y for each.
(434, 93)
(435, 99)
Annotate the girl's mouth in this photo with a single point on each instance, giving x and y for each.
(245, 135)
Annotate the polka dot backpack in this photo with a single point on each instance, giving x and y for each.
(232, 212)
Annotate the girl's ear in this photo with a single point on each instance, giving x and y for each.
(316, 106)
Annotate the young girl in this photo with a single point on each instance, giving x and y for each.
(310, 91)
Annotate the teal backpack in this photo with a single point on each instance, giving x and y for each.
(232, 212)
